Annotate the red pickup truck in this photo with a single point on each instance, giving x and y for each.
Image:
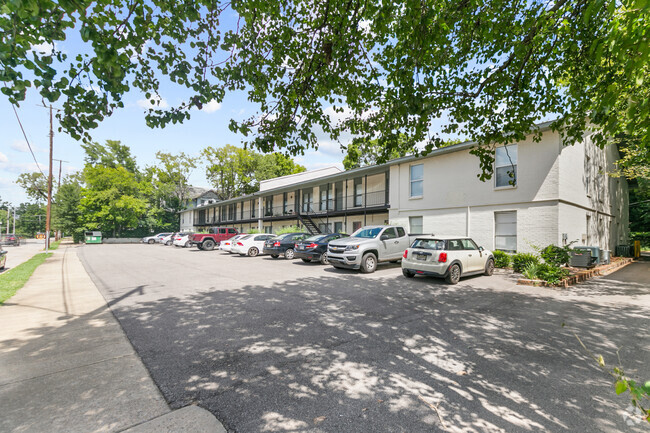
(207, 241)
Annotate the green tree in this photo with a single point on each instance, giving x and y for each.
(30, 219)
(113, 198)
(492, 69)
(361, 152)
(35, 185)
(66, 212)
(235, 171)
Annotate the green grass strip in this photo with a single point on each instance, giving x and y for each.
(15, 278)
(54, 245)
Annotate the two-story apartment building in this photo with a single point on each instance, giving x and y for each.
(541, 193)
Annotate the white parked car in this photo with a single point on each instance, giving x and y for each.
(182, 240)
(167, 240)
(227, 244)
(155, 238)
(251, 245)
(449, 257)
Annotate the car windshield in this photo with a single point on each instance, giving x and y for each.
(429, 244)
(316, 238)
(369, 233)
(246, 237)
(280, 237)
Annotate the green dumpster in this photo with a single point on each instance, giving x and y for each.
(93, 237)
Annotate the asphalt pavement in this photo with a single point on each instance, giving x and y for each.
(20, 254)
(66, 365)
(274, 345)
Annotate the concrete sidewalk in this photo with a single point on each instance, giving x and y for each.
(67, 366)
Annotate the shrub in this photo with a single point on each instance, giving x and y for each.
(531, 270)
(556, 256)
(551, 274)
(253, 232)
(501, 259)
(290, 229)
(521, 260)
(543, 271)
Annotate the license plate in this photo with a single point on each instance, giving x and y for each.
(421, 257)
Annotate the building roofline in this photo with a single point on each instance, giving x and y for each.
(374, 169)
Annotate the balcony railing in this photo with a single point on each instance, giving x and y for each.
(338, 204)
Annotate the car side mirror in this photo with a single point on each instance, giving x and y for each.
(383, 237)
(481, 249)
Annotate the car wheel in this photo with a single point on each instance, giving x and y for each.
(275, 256)
(187, 244)
(369, 263)
(407, 274)
(253, 252)
(453, 277)
(150, 241)
(199, 246)
(168, 243)
(208, 245)
(306, 260)
(324, 260)
(489, 267)
(288, 254)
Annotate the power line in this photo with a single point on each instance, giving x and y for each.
(30, 149)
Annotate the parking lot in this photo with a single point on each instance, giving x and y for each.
(274, 345)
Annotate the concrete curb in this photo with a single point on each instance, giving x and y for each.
(191, 419)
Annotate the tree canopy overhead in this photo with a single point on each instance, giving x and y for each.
(380, 70)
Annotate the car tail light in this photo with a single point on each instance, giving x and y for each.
(406, 254)
(277, 244)
(312, 245)
(240, 244)
(442, 258)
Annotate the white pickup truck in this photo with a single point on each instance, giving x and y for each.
(369, 246)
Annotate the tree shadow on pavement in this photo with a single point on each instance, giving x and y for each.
(372, 354)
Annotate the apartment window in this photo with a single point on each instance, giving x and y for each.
(505, 166)
(356, 225)
(358, 192)
(417, 180)
(268, 211)
(253, 206)
(268, 229)
(415, 225)
(324, 195)
(307, 199)
(338, 227)
(505, 231)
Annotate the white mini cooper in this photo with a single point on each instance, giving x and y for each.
(448, 257)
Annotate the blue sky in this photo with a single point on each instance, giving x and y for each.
(208, 127)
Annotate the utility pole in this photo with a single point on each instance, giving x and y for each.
(60, 161)
(48, 214)
(8, 218)
(14, 221)
(58, 233)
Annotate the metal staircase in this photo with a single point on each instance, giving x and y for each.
(309, 224)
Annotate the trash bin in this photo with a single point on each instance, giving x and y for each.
(604, 257)
(93, 237)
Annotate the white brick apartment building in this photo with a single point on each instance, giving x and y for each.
(559, 194)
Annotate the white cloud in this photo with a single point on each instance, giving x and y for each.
(43, 48)
(211, 107)
(20, 146)
(330, 148)
(158, 103)
(19, 167)
(3, 157)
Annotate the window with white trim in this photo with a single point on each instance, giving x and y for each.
(505, 166)
(415, 225)
(505, 231)
(417, 180)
